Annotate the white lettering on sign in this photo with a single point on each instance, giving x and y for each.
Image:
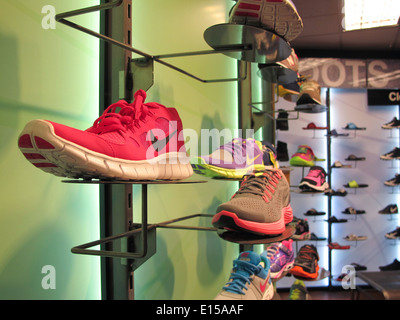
(352, 73)
(377, 77)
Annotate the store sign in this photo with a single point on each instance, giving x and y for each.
(352, 73)
(382, 97)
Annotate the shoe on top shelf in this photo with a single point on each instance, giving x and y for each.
(280, 17)
(137, 141)
(260, 206)
(250, 279)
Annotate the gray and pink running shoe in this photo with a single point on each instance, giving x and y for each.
(260, 206)
(278, 16)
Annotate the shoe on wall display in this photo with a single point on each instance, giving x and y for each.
(250, 279)
(260, 206)
(306, 263)
(281, 257)
(304, 157)
(389, 209)
(278, 16)
(395, 181)
(315, 180)
(236, 158)
(393, 124)
(395, 234)
(140, 141)
(298, 291)
(394, 266)
(391, 155)
(309, 100)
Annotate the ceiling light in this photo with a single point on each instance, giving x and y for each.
(364, 14)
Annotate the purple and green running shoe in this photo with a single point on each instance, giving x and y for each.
(281, 257)
(236, 158)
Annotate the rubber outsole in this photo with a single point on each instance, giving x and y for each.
(278, 16)
(230, 221)
(300, 272)
(55, 155)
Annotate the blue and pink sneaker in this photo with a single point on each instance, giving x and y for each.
(237, 158)
(281, 257)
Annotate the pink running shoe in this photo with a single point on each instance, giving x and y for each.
(278, 16)
(138, 142)
(315, 180)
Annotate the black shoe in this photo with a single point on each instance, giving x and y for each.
(391, 155)
(393, 182)
(358, 267)
(333, 219)
(392, 124)
(350, 210)
(389, 209)
(282, 151)
(282, 121)
(395, 265)
(395, 234)
(313, 212)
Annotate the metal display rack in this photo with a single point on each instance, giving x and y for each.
(138, 241)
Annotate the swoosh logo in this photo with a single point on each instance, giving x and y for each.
(157, 144)
(250, 161)
(263, 286)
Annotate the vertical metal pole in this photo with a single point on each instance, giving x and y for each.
(329, 174)
(115, 200)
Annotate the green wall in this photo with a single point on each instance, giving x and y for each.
(45, 74)
(188, 264)
(53, 74)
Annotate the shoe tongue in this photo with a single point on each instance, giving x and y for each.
(250, 256)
